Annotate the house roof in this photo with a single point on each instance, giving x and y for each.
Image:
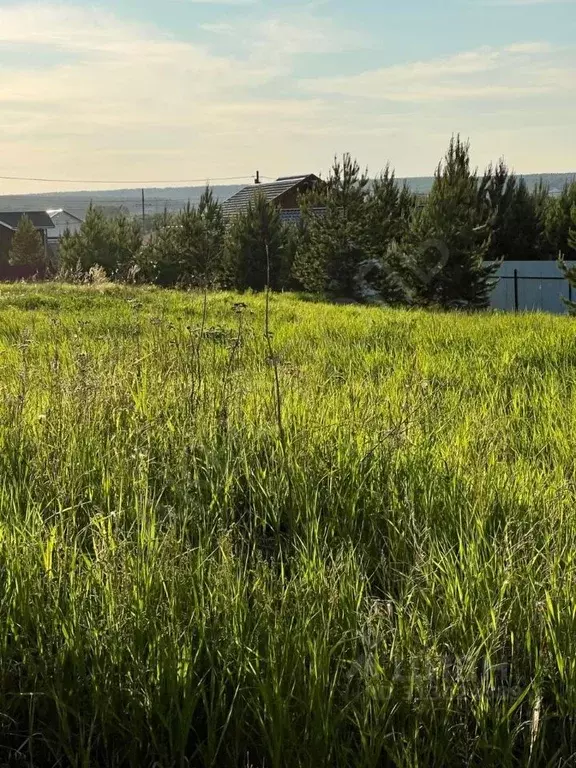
(272, 191)
(290, 215)
(40, 219)
(294, 215)
(58, 211)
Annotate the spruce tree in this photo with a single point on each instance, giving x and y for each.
(450, 236)
(27, 247)
(255, 238)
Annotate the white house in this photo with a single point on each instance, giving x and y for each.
(63, 220)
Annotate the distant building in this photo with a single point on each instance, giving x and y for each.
(63, 220)
(284, 192)
(9, 221)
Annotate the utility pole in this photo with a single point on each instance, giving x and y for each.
(143, 213)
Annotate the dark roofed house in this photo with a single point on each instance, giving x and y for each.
(9, 221)
(284, 192)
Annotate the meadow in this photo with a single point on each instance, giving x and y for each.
(348, 542)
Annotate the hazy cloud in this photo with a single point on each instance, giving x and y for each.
(518, 70)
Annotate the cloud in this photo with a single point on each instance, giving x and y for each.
(283, 36)
(529, 48)
(154, 76)
(518, 70)
(119, 92)
(306, 34)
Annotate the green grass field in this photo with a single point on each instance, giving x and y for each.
(369, 560)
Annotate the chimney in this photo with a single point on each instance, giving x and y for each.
(257, 179)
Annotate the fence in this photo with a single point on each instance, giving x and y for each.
(532, 286)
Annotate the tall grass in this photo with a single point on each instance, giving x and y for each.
(387, 580)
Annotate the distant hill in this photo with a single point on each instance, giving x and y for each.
(555, 182)
(175, 198)
(155, 200)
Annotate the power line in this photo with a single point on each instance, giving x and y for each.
(127, 181)
(135, 202)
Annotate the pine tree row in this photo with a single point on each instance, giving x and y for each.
(362, 239)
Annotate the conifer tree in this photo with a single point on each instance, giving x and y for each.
(517, 229)
(450, 237)
(522, 227)
(209, 261)
(381, 280)
(187, 240)
(541, 199)
(257, 238)
(27, 247)
(501, 191)
(111, 243)
(159, 260)
(570, 273)
(336, 231)
(559, 223)
(390, 211)
(126, 236)
(90, 245)
(186, 248)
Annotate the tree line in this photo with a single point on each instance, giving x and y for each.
(357, 238)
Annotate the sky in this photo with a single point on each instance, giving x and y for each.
(155, 92)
